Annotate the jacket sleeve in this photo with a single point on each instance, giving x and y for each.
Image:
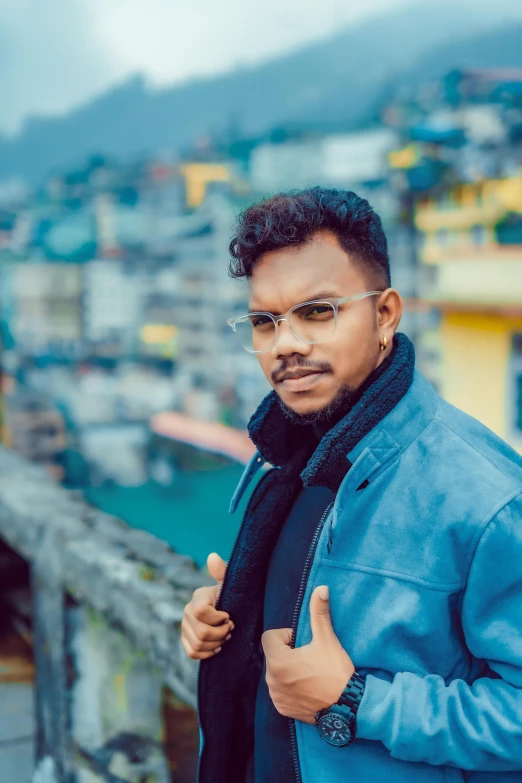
(477, 726)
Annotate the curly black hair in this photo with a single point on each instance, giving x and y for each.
(293, 218)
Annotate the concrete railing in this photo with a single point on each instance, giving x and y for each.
(107, 602)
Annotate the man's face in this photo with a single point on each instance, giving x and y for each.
(331, 370)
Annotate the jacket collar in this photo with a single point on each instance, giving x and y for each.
(402, 425)
(282, 443)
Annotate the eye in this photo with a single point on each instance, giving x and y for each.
(260, 321)
(318, 311)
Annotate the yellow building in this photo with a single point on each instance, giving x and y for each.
(198, 176)
(471, 248)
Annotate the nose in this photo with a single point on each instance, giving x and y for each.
(287, 343)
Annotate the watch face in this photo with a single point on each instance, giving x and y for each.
(335, 728)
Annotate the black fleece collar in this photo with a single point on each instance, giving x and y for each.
(283, 443)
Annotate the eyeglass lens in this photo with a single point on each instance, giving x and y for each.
(311, 323)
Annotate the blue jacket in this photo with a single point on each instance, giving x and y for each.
(422, 553)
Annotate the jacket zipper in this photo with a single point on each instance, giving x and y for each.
(218, 603)
(295, 620)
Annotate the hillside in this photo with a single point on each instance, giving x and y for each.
(340, 81)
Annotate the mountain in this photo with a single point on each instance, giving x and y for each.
(497, 48)
(339, 81)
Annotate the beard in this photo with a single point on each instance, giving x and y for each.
(338, 407)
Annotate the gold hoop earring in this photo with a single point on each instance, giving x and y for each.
(384, 343)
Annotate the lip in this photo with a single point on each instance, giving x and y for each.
(302, 382)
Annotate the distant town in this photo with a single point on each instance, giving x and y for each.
(114, 292)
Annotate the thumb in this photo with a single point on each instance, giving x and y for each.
(320, 619)
(216, 566)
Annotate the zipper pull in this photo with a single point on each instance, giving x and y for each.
(329, 542)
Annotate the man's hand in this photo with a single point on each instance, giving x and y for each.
(306, 679)
(203, 628)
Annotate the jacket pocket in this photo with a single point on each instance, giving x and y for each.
(389, 624)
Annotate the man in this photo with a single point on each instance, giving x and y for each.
(368, 626)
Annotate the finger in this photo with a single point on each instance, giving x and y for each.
(195, 655)
(216, 566)
(205, 632)
(197, 644)
(207, 614)
(320, 619)
(276, 640)
(202, 606)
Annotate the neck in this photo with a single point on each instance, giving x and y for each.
(321, 428)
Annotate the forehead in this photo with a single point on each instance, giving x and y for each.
(285, 277)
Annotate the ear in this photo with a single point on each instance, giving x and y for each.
(389, 312)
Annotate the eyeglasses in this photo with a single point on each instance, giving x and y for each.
(310, 322)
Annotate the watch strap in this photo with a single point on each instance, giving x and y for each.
(352, 695)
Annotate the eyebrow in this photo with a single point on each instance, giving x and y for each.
(325, 294)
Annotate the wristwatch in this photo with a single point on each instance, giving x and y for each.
(336, 724)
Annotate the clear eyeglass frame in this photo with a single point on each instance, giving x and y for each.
(334, 302)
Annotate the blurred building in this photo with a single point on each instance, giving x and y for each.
(113, 303)
(199, 176)
(472, 256)
(158, 334)
(214, 371)
(458, 178)
(354, 161)
(47, 315)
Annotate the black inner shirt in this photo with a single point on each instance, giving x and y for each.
(273, 760)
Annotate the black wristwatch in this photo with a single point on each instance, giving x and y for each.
(336, 724)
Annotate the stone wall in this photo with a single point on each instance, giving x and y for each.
(107, 602)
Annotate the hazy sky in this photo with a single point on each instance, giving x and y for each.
(57, 53)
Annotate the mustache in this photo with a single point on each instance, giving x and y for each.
(299, 364)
